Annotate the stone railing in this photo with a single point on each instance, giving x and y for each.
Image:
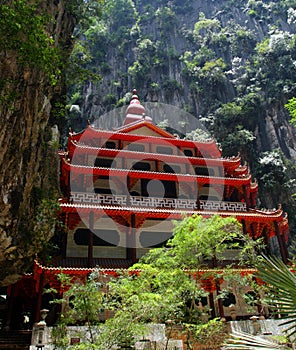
(154, 202)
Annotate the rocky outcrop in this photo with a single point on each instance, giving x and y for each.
(29, 166)
(150, 58)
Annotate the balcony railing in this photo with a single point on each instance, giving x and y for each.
(154, 202)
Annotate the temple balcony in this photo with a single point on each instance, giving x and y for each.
(155, 202)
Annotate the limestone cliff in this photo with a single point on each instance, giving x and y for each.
(229, 63)
(196, 55)
(28, 157)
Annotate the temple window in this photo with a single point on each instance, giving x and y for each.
(110, 145)
(188, 152)
(136, 147)
(172, 168)
(141, 166)
(228, 299)
(164, 189)
(164, 150)
(155, 240)
(103, 190)
(105, 238)
(135, 193)
(204, 171)
(105, 163)
(103, 185)
(202, 300)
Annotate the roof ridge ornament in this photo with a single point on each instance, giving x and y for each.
(135, 110)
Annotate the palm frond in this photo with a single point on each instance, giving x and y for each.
(241, 340)
(282, 284)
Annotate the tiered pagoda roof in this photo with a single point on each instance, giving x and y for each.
(140, 129)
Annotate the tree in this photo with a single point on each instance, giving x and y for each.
(197, 240)
(161, 287)
(83, 302)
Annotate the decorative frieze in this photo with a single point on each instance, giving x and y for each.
(220, 205)
(154, 202)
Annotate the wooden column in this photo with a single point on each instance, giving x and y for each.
(244, 227)
(266, 240)
(220, 304)
(90, 261)
(128, 198)
(10, 305)
(156, 165)
(212, 305)
(282, 243)
(150, 147)
(196, 187)
(64, 238)
(39, 298)
(131, 250)
(246, 197)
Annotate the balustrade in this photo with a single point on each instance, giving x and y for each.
(154, 202)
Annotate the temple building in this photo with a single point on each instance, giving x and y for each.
(122, 189)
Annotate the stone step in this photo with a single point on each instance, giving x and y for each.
(17, 340)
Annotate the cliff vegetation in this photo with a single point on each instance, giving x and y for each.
(36, 39)
(231, 64)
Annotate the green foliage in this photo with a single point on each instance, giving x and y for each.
(44, 225)
(205, 24)
(84, 12)
(122, 329)
(238, 141)
(138, 72)
(84, 304)
(24, 30)
(166, 18)
(282, 284)
(119, 14)
(272, 171)
(198, 135)
(211, 334)
(110, 100)
(197, 240)
(157, 293)
(170, 86)
(80, 60)
(291, 107)
(159, 288)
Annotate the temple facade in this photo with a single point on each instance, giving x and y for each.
(122, 190)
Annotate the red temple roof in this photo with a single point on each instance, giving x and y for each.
(83, 169)
(254, 214)
(229, 163)
(207, 148)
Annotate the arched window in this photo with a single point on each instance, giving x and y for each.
(228, 299)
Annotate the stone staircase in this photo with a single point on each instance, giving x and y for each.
(17, 340)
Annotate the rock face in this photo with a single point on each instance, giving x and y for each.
(28, 157)
(157, 49)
